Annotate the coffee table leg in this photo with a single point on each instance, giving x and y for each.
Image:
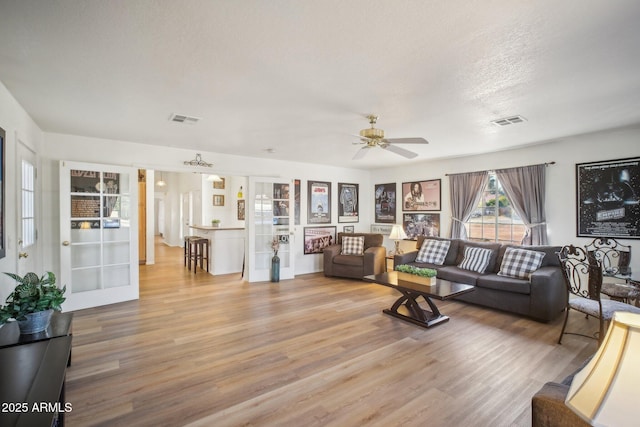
(417, 315)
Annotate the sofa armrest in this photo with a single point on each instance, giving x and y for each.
(548, 293)
(549, 410)
(405, 258)
(374, 260)
(328, 253)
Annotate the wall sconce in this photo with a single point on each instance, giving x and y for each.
(240, 194)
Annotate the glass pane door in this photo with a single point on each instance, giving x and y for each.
(99, 218)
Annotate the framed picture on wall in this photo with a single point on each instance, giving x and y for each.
(318, 202)
(421, 195)
(219, 185)
(296, 201)
(218, 200)
(241, 208)
(348, 228)
(421, 224)
(318, 238)
(348, 208)
(385, 203)
(608, 198)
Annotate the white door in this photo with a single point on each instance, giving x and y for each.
(28, 211)
(98, 234)
(270, 216)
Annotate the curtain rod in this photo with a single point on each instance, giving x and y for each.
(546, 164)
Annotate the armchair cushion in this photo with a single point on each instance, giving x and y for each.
(352, 245)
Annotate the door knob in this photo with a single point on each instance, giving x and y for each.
(22, 255)
(65, 243)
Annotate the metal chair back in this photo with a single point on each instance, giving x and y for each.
(614, 257)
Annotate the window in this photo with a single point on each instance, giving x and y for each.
(28, 204)
(495, 219)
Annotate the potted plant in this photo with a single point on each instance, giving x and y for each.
(215, 223)
(425, 276)
(33, 301)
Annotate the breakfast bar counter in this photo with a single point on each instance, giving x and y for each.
(226, 247)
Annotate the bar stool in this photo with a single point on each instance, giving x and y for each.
(187, 252)
(198, 251)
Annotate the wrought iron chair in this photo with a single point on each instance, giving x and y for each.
(614, 259)
(583, 276)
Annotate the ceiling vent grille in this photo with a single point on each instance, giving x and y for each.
(508, 121)
(181, 118)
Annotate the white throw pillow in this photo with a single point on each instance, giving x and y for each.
(433, 251)
(520, 263)
(353, 245)
(475, 259)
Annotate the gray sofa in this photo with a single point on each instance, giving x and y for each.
(542, 297)
(373, 261)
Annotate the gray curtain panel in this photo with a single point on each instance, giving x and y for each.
(465, 190)
(525, 188)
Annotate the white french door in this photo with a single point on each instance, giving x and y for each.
(28, 212)
(98, 234)
(270, 216)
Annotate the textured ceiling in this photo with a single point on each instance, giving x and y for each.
(299, 77)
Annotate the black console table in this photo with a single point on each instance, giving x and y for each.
(59, 326)
(32, 387)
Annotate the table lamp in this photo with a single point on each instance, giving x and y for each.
(605, 391)
(397, 234)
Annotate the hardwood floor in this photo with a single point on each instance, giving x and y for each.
(200, 350)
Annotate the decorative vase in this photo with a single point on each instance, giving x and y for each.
(275, 268)
(35, 322)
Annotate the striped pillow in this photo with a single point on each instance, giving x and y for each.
(475, 259)
(353, 245)
(433, 251)
(520, 263)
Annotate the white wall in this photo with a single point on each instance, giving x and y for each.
(561, 177)
(77, 148)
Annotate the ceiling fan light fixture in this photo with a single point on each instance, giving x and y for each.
(372, 133)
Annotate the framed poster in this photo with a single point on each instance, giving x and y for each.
(421, 224)
(3, 248)
(348, 228)
(318, 238)
(421, 195)
(348, 210)
(608, 202)
(318, 202)
(385, 201)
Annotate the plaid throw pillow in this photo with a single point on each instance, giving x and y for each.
(475, 259)
(353, 245)
(433, 251)
(520, 263)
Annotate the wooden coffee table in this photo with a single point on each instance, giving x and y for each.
(411, 291)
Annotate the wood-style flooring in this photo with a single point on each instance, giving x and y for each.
(200, 350)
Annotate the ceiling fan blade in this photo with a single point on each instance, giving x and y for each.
(361, 152)
(405, 141)
(404, 153)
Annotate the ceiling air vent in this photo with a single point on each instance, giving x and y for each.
(181, 118)
(508, 121)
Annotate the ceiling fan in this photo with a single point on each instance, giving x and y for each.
(373, 137)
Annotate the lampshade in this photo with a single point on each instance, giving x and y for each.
(605, 391)
(397, 233)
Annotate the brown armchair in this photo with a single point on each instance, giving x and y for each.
(372, 261)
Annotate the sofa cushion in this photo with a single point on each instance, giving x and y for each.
(348, 260)
(550, 258)
(433, 251)
(492, 246)
(352, 245)
(370, 239)
(458, 275)
(475, 259)
(502, 283)
(452, 254)
(520, 263)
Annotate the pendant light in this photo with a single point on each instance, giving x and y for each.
(161, 182)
